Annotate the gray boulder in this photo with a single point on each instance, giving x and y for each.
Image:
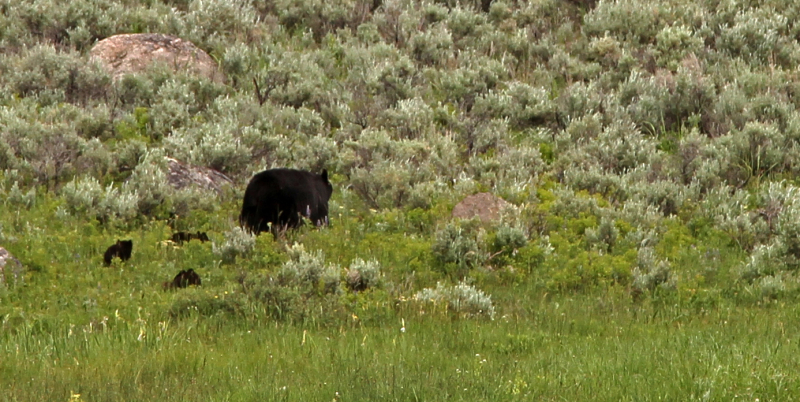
(487, 207)
(182, 175)
(133, 53)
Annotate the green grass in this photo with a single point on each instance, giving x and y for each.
(75, 326)
(581, 348)
(651, 153)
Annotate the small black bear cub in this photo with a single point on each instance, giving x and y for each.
(122, 250)
(183, 279)
(181, 237)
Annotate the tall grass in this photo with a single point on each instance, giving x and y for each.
(74, 327)
(580, 348)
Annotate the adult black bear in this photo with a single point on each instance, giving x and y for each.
(122, 250)
(278, 197)
(183, 279)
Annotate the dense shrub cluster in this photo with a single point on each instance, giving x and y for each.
(606, 123)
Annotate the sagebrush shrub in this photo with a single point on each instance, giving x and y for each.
(506, 243)
(173, 107)
(387, 173)
(238, 243)
(363, 275)
(758, 150)
(764, 261)
(128, 154)
(772, 286)
(453, 244)
(410, 118)
(475, 76)
(676, 42)
(215, 145)
(604, 236)
(320, 17)
(760, 35)
(53, 76)
(308, 270)
(208, 22)
(462, 299)
(650, 272)
(16, 197)
(149, 182)
(511, 172)
(625, 19)
(43, 149)
(432, 47)
(467, 27)
(727, 207)
(85, 196)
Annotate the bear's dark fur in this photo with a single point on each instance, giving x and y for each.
(122, 250)
(181, 237)
(278, 197)
(183, 279)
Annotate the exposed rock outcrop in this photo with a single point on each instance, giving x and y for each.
(134, 53)
(485, 206)
(182, 175)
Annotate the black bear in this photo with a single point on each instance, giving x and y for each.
(181, 237)
(202, 236)
(183, 279)
(278, 197)
(122, 250)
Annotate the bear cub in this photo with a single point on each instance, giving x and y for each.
(181, 237)
(183, 279)
(122, 250)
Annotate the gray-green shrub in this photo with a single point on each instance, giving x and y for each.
(461, 299)
(363, 275)
(238, 243)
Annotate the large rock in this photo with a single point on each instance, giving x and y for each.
(183, 175)
(485, 206)
(134, 53)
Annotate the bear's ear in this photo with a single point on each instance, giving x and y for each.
(324, 175)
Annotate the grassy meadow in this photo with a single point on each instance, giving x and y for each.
(649, 152)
